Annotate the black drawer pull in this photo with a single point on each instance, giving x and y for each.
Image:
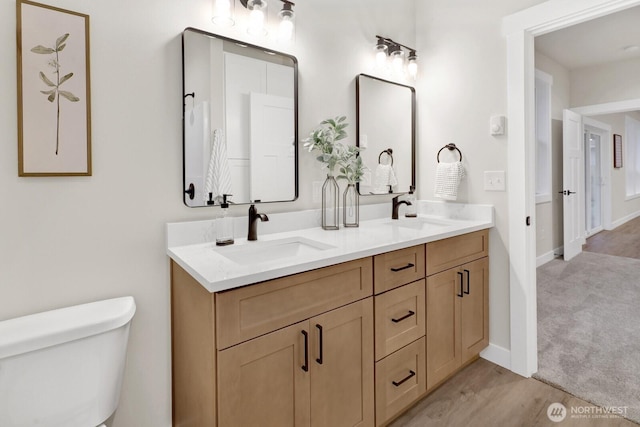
(305, 367)
(411, 375)
(461, 284)
(395, 270)
(406, 316)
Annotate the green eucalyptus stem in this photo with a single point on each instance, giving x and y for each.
(57, 101)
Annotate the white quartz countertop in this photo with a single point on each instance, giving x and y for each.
(220, 268)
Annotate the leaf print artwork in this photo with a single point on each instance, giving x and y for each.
(54, 93)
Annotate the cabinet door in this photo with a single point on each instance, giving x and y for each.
(263, 382)
(474, 313)
(443, 325)
(342, 367)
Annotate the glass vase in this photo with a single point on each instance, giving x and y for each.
(330, 203)
(351, 206)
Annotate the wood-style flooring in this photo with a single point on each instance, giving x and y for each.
(484, 394)
(623, 241)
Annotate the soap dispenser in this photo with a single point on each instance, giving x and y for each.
(412, 208)
(224, 224)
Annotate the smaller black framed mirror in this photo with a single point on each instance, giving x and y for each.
(386, 134)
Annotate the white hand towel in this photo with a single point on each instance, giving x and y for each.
(218, 180)
(448, 177)
(383, 178)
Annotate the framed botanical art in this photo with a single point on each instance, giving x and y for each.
(617, 150)
(54, 102)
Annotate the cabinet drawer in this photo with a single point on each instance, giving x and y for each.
(447, 253)
(400, 380)
(245, 313)
(398, 268)
(400, 317)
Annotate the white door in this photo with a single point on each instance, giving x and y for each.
(571, 184)
(272, 149)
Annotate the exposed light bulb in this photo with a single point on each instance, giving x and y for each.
(412, 66)
(222, 13)
(285, 31)
(381, 53)
(397, 60)
(256, 17)
(287, 26)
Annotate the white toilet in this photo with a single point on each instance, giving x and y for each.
(64, 368)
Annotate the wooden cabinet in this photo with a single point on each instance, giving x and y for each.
(352, 344)
(294, 351)
(457, 318)
(322, 367)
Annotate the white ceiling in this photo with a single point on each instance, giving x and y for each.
(594, 42)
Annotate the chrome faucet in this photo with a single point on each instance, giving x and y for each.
(395, 204)
(254, 216)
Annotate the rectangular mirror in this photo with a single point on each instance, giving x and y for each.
(385, 131)
(240, 121)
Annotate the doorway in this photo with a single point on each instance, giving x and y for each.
(593, 180)
(520, 29)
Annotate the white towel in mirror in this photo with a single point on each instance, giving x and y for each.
(384, 177)
(218, 180)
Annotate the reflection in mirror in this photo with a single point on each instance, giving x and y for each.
(385, 128)
(240, 130)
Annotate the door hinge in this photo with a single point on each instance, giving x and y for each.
(528, 221)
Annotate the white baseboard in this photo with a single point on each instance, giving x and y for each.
(617, 223)
(498, 355)
(545, 258)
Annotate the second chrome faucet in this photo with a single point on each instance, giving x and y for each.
(254, 216)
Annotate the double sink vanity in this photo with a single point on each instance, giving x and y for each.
(326, 328)
(306, 326)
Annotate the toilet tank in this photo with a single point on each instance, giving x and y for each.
(64, 368)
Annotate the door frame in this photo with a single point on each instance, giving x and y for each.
(520, 29)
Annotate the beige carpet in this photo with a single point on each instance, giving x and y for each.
(589, 329)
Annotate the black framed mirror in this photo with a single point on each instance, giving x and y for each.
(240, 121)
(386, 134)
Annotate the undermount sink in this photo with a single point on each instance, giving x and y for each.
(419, 223)
(272, 250)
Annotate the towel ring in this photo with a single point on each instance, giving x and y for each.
(388, 152)
(451, 147)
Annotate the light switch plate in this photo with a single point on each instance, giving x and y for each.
(494, 181)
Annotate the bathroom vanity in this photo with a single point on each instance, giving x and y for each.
(350, 333)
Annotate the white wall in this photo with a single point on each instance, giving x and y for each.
(463, 84)
(72, 240)
(615, 81)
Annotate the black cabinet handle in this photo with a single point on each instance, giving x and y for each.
(406, 316)
(305, 367)
(396, 269)
(468, 287)
(411, 375)
(461, 283)
(319, 359)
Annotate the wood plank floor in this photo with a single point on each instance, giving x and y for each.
(484, 394)
(623, 241)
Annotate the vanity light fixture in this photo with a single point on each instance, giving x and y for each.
(385, 47)
(287, 27)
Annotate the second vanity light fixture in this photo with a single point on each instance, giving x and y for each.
(387, 49)
(223, 14)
